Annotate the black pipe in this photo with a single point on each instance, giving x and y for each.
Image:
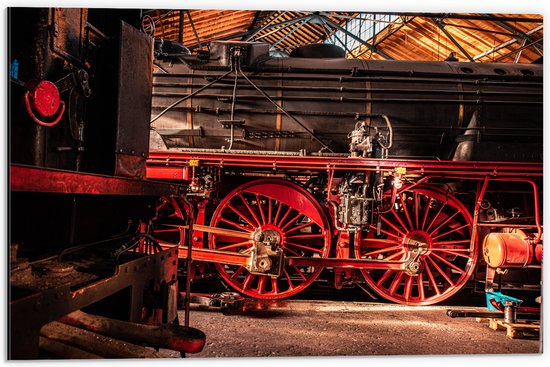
(357, 73)
(351, 90)
(491, 314)
(531, 81)
(349, 99)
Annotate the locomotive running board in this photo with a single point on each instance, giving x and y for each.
(175, 165)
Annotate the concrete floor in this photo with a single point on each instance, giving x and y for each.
(329, 328)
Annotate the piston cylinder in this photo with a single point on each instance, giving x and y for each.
(511, 250)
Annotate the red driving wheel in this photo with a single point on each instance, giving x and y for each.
(434, 221)
(275, 205)
(169, 216)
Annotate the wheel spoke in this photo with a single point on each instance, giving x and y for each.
(269, 210)
(261, 284)
(441, 272)
(420, 284)
(451, 231)
(236, 225)
(454, 242)
(301, 226)
(406, 211)
(248, 281)
(392, 226)
(299, 272)
(385, 276)
(259, 204)
(284, 217)
(236, 245)
(432, 280)
(237, 272)
(408, 288)
(443, 223)
(395, 283)
(416, 209)
(456, 252)
(447, 263)
(396, 255)
(238, 212)
(426, 211)
(293, 220)
(381, 251)
(303, 247)
(292, 251)
(277, 214)
(400, 221)
(377, 242)
(250, 210)
(435, 217)
(290, 285)
(385, 232)
(162, 205)
(313, 235)
(274, 286)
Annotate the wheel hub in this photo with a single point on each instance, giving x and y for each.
(418, 244)
(418, 241)
(266, 254)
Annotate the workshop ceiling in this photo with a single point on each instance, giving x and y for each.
(400, 36)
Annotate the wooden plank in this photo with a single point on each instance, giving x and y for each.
(517, 330)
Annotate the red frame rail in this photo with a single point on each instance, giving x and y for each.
(175, 165)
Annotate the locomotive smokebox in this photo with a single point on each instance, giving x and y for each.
(511, 250)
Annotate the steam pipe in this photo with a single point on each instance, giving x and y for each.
(477, 101)
(188, 96)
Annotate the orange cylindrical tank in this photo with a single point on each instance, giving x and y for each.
(511, 250)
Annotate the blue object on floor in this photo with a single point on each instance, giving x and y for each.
(496, 301)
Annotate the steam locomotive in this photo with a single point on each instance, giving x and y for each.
(272, 170)
(399, 170)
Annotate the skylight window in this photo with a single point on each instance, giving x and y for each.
(365, 26)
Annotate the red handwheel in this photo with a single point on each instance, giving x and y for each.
(285, 209)
(433, 222)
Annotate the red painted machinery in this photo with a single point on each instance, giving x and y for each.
(368, 201)
(270, 237)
